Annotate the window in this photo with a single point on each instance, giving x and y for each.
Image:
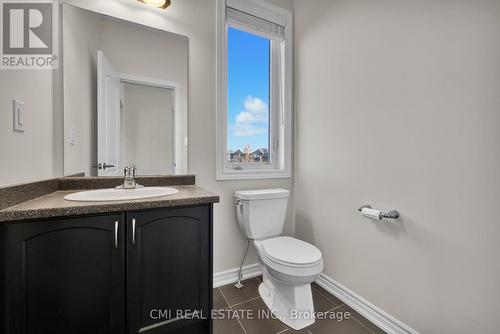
(248, 63)
(254, 118)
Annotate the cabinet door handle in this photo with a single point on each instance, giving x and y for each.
(133, 231)
(116, 233)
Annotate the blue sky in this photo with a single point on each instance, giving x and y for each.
(248, 90)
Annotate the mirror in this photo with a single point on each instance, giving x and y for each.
(125, 96)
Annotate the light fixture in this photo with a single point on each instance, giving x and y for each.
(157, 3)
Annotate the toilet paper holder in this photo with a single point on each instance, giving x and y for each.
(392, 214)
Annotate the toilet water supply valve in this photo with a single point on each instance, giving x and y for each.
(239, 285)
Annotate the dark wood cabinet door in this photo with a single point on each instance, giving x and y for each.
(169, 270)
(65, 276)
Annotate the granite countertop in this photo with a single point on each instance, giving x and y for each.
(53, 204)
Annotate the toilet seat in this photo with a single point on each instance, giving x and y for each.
(278, 258)
(291, 252)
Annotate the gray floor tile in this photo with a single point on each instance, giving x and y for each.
(227, 326)
(236, 296)
(248, 299)
(259, 325)
(342, 324)
(293, 331)
(328, 295)
(219, 300)
(321, 302)
(364, 321)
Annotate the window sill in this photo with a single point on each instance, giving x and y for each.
(253, 174)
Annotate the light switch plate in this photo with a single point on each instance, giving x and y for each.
(18, 110)
(72, 139)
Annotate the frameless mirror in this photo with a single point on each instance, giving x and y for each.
(125, 96)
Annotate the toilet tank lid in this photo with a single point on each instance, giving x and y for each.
(262, 194)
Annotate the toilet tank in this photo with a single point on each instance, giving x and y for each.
(261, 213)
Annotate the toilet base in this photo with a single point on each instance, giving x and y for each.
(291, 304)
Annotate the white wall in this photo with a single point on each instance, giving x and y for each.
(148, 128)
(29, 155)
(398, 106)
(196, 20)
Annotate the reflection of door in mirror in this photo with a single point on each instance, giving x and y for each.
(108, 118)
(135, 123)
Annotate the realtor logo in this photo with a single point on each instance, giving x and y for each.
(28, 34)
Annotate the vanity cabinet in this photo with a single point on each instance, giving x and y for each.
(133, 272)
(65, 276)
(168, 270)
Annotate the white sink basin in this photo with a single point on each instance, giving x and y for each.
(107, 195)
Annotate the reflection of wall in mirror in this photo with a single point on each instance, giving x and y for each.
(147, 128)
(133, 50)
(80, 89)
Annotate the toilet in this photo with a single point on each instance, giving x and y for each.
(289, 265)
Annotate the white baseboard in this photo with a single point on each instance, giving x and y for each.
(371, 312)
(231, 275)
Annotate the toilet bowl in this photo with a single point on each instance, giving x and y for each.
(289, 265)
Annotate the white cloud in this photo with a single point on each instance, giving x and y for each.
(255, 105)
(244, 130)
(245, 117)
(250, 122)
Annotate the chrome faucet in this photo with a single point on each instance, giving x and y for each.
(129, 181)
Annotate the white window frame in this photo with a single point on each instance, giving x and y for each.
(280, 108)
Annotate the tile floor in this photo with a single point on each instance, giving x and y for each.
(229, 300)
